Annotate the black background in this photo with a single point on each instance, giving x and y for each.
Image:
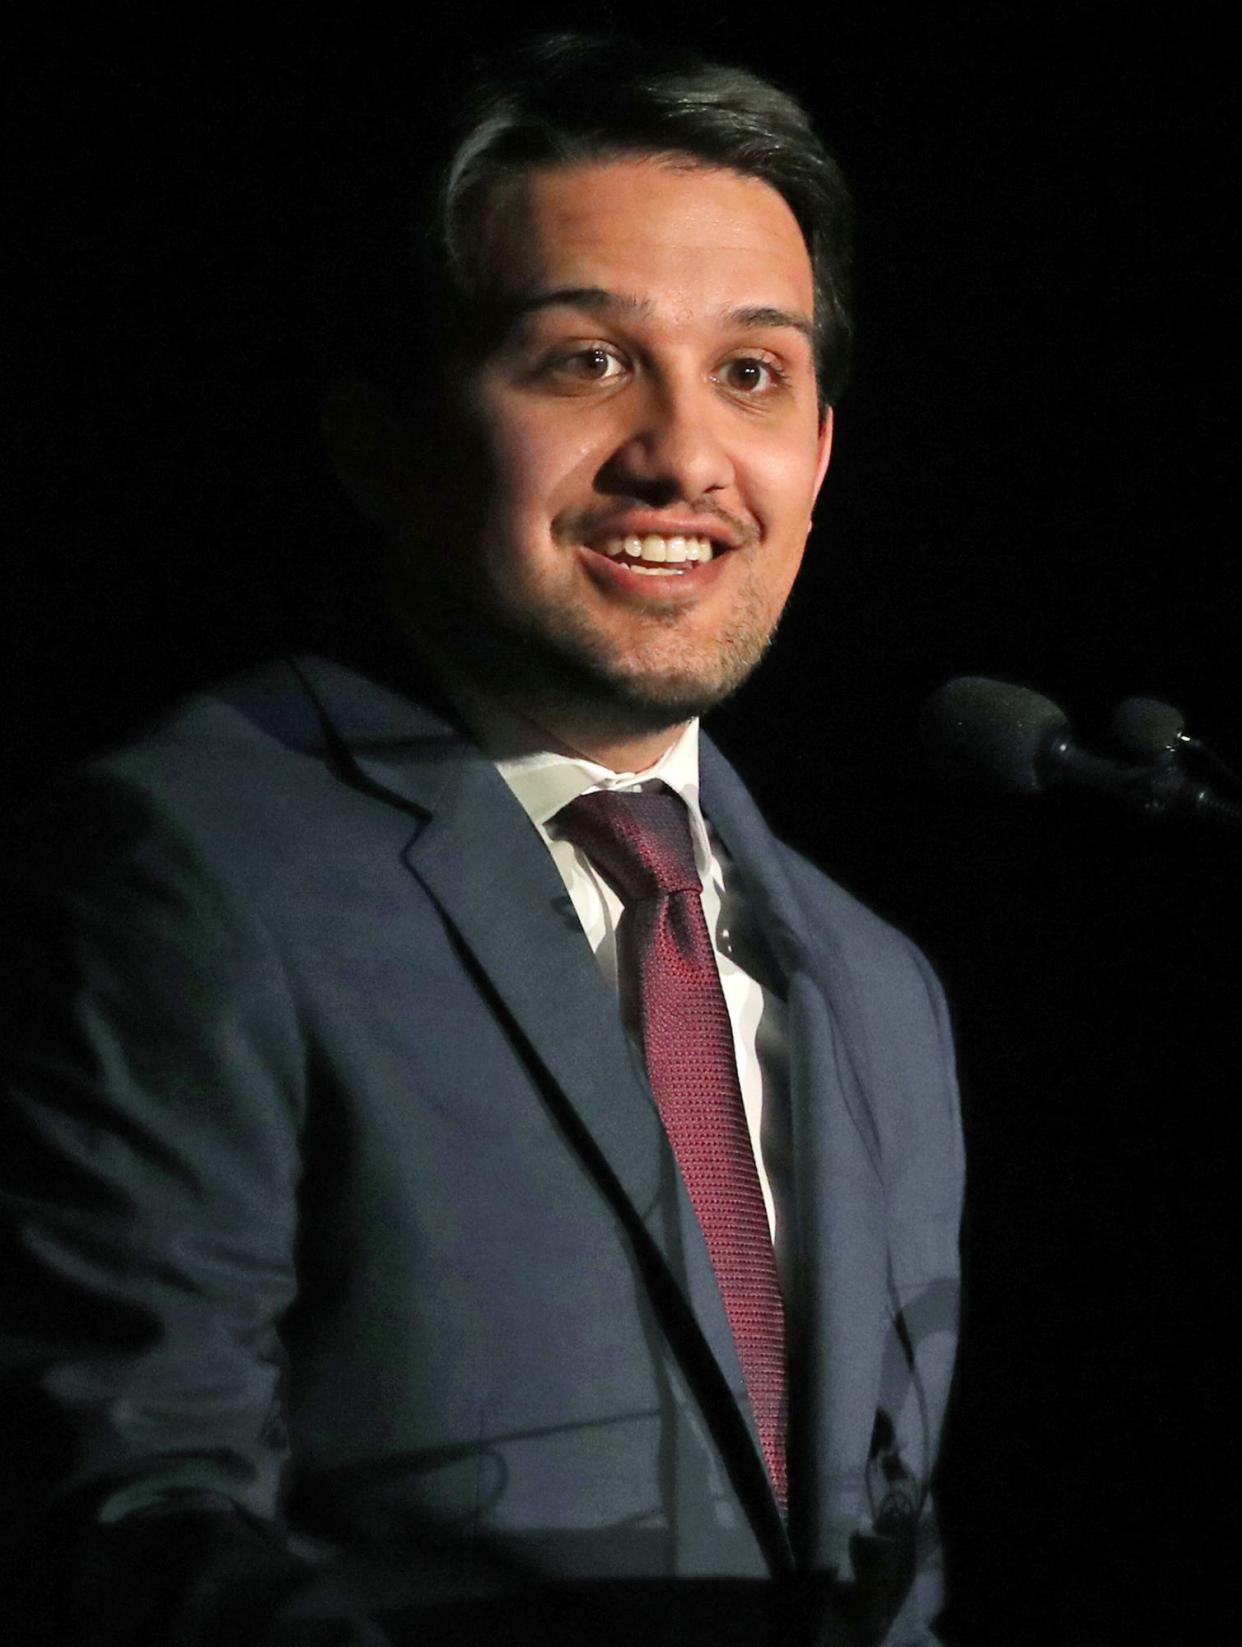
(1032, 480)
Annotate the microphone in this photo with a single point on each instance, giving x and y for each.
(996, 732)
(1155, 731)
(1150, 730)
(992, 731)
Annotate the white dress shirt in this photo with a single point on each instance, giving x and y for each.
(543, 782)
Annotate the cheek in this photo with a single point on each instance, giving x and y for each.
(783, 482)
(539, 464)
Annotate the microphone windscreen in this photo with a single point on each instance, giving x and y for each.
(1147, 728)
(983, 729)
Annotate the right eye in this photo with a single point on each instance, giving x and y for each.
(593, 364)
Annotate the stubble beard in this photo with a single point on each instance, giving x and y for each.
(549, 660)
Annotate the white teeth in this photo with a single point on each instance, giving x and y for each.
(653, 549)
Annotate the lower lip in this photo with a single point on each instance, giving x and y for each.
(614, 574)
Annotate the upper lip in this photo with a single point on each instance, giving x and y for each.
(635, 524)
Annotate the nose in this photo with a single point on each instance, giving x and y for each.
(671, 450)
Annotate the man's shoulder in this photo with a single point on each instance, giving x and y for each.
(828, 902)
(238, 771)
(888, 971)
(821, 908)
(269, 724)
(294, 705)
(205, 757)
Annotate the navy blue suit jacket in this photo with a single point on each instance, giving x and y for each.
(349, 1278)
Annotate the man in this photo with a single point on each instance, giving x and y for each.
(421, 1224)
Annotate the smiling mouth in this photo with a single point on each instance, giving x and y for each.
(656, 555)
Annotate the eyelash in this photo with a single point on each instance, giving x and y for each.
(776, 373)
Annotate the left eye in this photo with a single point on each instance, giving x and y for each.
(748, 374)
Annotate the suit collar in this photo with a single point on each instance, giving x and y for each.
(407, 749)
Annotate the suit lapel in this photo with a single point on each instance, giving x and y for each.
(485, 865)
(839, 1310)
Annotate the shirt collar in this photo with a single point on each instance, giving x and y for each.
(543, 781)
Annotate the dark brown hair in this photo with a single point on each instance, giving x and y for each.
(568, 98)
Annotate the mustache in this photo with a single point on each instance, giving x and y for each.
(584, 525)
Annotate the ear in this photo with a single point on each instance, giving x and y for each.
(367, 447)
(825, 449)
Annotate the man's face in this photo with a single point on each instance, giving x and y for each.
(655, 390)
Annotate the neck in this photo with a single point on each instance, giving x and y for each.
(557, 723)
(558, 728)
(618, 754)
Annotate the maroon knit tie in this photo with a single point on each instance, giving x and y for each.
(642, 844)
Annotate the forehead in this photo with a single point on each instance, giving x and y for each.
(662, 230)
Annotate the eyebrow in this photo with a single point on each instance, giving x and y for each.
(574, 297)
(760, 317)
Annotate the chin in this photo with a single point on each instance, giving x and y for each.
(646, 700)
(551, 663)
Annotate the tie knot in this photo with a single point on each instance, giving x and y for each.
(642, 843)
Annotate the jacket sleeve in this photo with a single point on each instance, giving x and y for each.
(151, 1098)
